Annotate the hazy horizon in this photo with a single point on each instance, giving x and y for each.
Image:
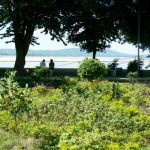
(47, 44)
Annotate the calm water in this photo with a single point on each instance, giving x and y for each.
(63, 62)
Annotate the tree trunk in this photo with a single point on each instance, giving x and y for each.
(20, 60)
(22, 44)
(23, 31)
(94, 54)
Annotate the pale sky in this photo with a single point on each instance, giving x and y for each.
(47, 44)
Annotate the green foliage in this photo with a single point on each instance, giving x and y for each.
(89, 27)
(12, 98)
(113, 65)
(85, 115)
(132, 76)
(91, 69)
(115, 90)
(132, 65)
(21, 18)
(91, 119)
(49, 136)
(2, 72)
(134, 20)
(40, 72)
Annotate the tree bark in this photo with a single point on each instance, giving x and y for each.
(94, 54)
(22, 43)
(23, 32)
(20, 60)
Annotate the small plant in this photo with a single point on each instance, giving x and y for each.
(13, 99)
(91, 69)
(132, 76)
(115, 91)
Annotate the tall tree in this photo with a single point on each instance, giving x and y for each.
(134, 12)
(134, 24)
(22, 17)
(90, 24)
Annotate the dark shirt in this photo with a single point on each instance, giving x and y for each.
(51, 65)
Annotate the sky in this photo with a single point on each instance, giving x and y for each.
(47, 44)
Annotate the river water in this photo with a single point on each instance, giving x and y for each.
(64, 62)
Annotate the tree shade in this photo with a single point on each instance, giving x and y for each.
(129, 22)
(90, 24)
(22, 17)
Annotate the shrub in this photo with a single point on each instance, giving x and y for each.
(113, 65)
(132, 65)
(14, 99)
(41, 90)
(40, 72)
(91, 69)
(49, 135)
(132, 77)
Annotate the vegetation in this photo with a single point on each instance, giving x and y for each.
(90, 24)
(91, 69)
(80, 115)
(133, 65)
(113, 65)
(22, 18)
(132, 77)
(136, 14)
(40, 72)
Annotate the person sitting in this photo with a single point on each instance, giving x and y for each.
(51, 64)
(42, 63)
(51, 67)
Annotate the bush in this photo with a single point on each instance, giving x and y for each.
(113, 65)
(49, 136)
(91, 69)
(40, 72)
(132, 75)
(132, 65)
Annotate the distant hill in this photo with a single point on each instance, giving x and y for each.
(72, 52)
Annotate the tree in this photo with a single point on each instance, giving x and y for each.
(22, 17)
(128, 21)
(134, 24)
(90, 24)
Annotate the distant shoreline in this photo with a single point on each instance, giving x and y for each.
(7, 58)
(69, 52)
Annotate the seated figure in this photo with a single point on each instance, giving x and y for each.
(51, 64)
(51, 67)
(42, 63)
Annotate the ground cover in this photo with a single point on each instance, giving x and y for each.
(79, 115)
